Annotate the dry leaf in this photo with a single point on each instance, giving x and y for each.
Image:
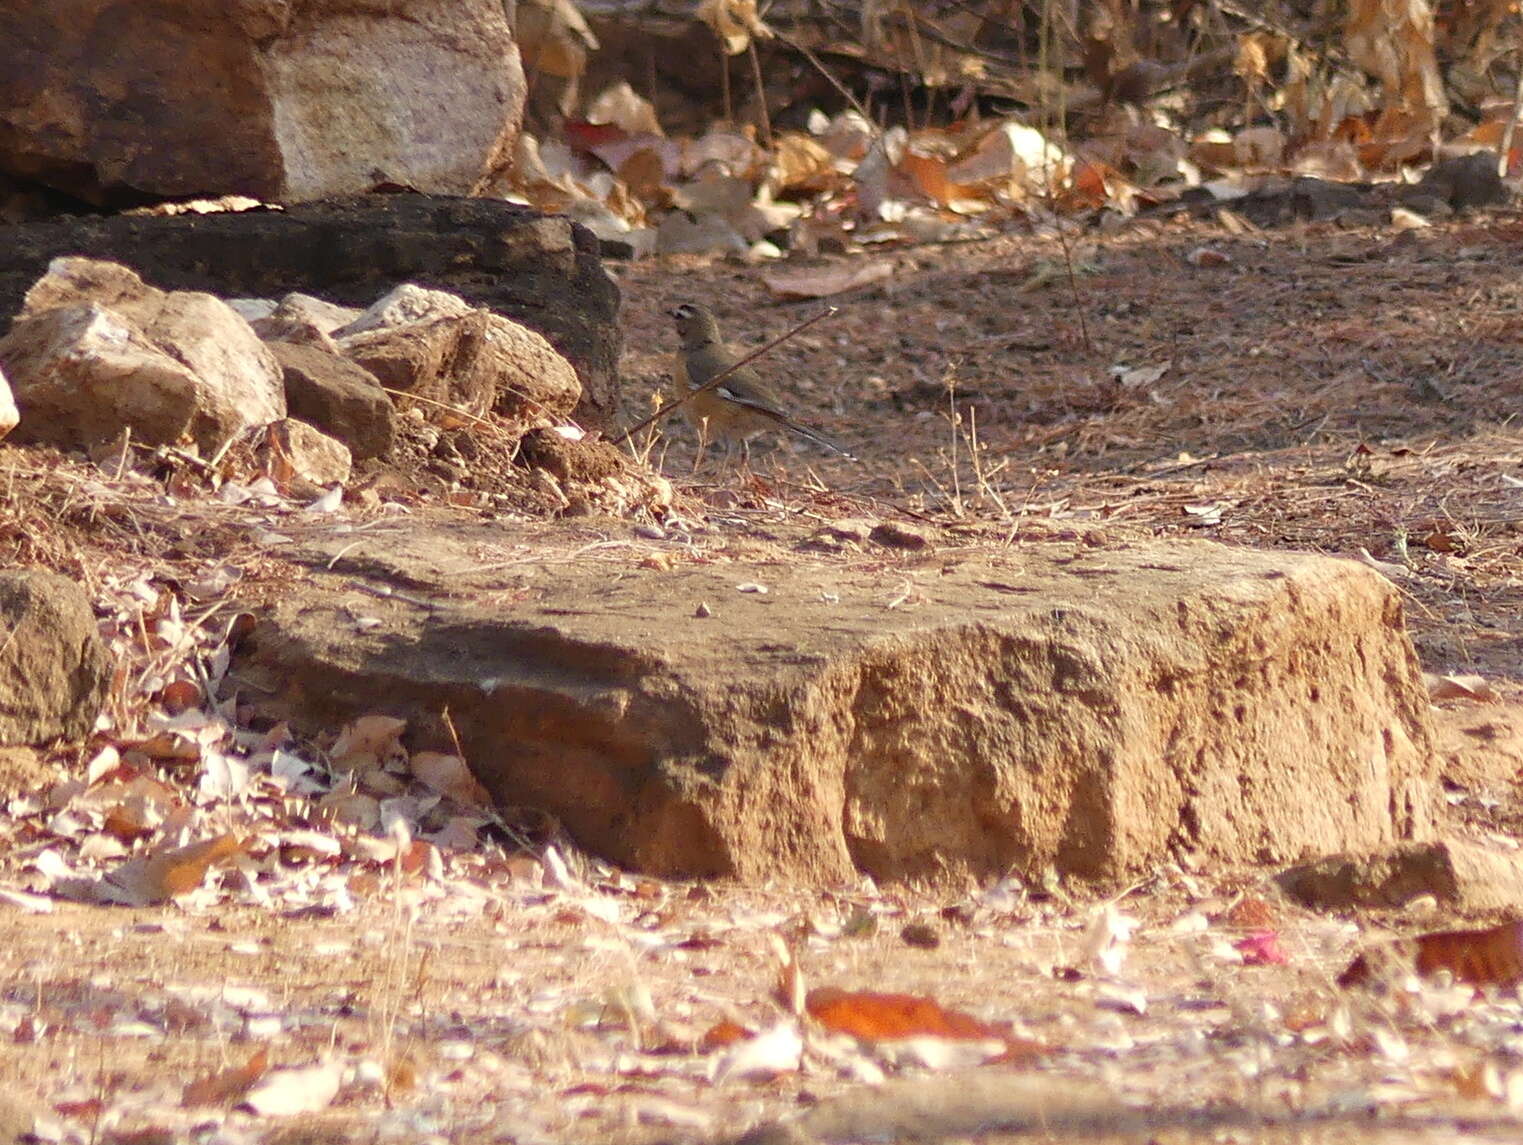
(368, 741)
(1107, 938)
(553, 38)
(227, 1086)
(1459, 687)
(734, 22)
(722, 1035)
(1011, 156)
(871, 1017)
(824, 281)
(800, 164)
(618, 105)
(772, 1052)
(283, 1092)
(179, 696)
(173, 872)
(350, 809)
(928, 175)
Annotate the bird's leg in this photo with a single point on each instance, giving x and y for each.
(703, 445)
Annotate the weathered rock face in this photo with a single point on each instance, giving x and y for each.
(53, 666)
(1094, 712)
(542, 272)
(96, 349)
(289, 102)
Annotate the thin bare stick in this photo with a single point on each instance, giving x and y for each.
(723, 374)
(761, 93)
(458, 412)
(1073, 285)
(846, 94)
(724, 82)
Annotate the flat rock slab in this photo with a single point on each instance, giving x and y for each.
(934, 715)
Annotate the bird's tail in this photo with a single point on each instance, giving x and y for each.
(810, 435)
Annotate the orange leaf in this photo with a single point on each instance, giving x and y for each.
(180, 696)
(185, 867)
(226, 1086)
(929, 174)
(1089, 181)
(722, 1034)
(871, 1016)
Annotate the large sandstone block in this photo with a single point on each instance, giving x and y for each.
(1094, 711)
(112, 100)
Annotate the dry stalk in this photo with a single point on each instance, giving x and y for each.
(761, 92)
(393, 977)
(466, 414)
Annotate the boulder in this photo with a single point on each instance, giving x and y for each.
(1460, 874)
(96, 349)
(302, 318)
(339, 397)
(1092, 711)
(473, 361)
(404, 306)
(541, 271)
(54, 670)
(289, 102)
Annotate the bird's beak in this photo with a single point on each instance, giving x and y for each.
(671, 314)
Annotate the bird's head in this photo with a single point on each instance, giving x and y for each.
(696, 324)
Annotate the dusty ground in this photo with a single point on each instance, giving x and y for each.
(1328, 390)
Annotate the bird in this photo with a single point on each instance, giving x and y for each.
(742, 405)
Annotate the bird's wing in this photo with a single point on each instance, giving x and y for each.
(746, 387)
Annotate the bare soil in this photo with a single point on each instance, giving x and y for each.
(1341, 391)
